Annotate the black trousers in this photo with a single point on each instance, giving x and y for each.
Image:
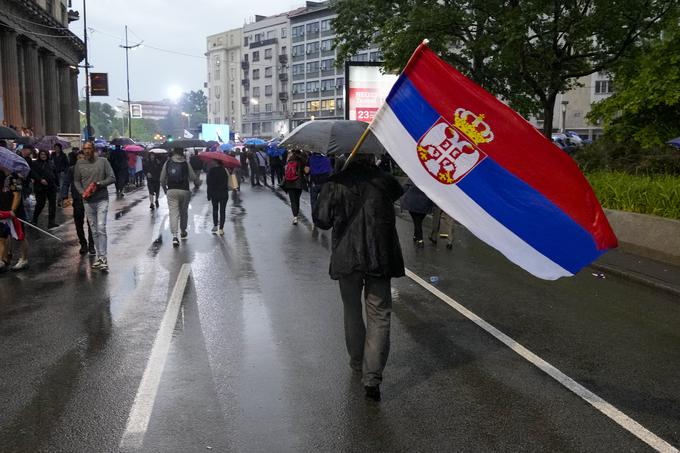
(40, 199)
(276, 171)
(79, 220)
(219, 207)
(417, 225)
(294, 196)
(121, 180)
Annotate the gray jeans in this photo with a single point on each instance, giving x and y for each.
(178, 204)
(368, 345)
(96, 213)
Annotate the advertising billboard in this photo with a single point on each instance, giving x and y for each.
(217, 132)
(366, 88)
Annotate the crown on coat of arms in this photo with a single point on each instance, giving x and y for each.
(473, 126)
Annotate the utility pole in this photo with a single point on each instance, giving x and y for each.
(127, 70)
(88, 126)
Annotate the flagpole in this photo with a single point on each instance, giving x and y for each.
(39, 229)
(365, 134)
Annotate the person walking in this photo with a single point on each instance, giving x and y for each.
(11, 186)
(358, 204)
(294, 181)
(61, 165)
(218, 193)
(91, 177)
(276, 169)
(418, 206)
(119, 164)
(244, 158)
(176, 176)
(439, 217)
(86, 242)
(319, 169)
(152, 168)
(45, 187)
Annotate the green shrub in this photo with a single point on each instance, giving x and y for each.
(645, 194)
(630, 157)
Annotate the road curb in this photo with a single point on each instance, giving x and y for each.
(636, 277)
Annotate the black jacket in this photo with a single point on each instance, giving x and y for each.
(218, 183)
(414, 200)
(60, 161)
(153, 168)
(43, 169)
(358, 204)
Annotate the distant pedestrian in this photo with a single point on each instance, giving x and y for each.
(319, 169)
(86, 242)
(276, 169)
(439, 218)
(91, 178)
(119, 164)
(45, 187)
(418, 206)
(217, 182)
(152, 168)
(60, 165)
(294, 181)
(176, 177)
(196, 162)
(358, 204)
(11, 186)
(243, 171)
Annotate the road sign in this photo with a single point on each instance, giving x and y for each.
(136, 110)
(99, 84)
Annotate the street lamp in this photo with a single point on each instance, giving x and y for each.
(188, 115)
(564, 116)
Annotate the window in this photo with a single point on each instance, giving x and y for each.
(375, 56)
(231, 89)
(328, 104)
(313, 67)
(283, 50)
(245, 58)
(267, 90)
(313, 28)
(604, 87)
(268, 54)
(49, 7)
(298, 107)
(298, 50)
(231, 55)
(298, 88)
(268, 71)
(326, 45)
(361, 57)
(245, 41)
(268, 108)
(284, 32)
(258, 37)
(256, 92)
(313, 106)
(256, 74)
(326, 25)
(256, 55)
(270, 34)
(339, 103)
(298, 69)
(298, 31)
(232, 106)
(312, 87)
(313, 47)
(340, 83)
(328, 85)
(327, 65)
(256, 108)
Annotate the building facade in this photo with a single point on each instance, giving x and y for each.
(39, 60)
(224, 81)
(572, 107)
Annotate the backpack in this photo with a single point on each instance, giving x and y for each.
(319, 165)
(177, 173)
(291, 173)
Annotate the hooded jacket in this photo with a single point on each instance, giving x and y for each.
(358, 203)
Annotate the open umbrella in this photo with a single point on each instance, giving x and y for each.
(675, 142)
(122, 141)
(228, 161)
(49, 141)
(274, 150)
(182, 143)
(332, 137)
(26, 141)
(255, 142)
(158, 151)
(13, 163)
(225, 147)
(133, 148)
(8, 132)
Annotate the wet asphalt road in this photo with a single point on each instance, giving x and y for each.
(257, 359)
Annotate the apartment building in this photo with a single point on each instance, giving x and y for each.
(572, 107)
(224, 55)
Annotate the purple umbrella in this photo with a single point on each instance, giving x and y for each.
(48, 142)
(13, 163)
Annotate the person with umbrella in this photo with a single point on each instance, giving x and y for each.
(294, 181)
(218, 193)
(176, 176)
(152, 168)
(358, 204)
(91, 177)
(45, 187)
(119, 164)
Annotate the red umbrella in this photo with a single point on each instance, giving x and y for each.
(228, 161)
(133, 148)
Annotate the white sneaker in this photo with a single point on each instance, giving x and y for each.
(103, 264)
(20, 265)
(295, 220)
(220, 232)
(97, 263)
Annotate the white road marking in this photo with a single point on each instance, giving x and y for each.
(138, 420)
(603, 406)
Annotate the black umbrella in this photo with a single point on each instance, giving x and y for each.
(182, 143)
(6, 132)
(26, 141)
(332, 137)
(122, 141)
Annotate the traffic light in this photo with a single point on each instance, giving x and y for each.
(170, 138)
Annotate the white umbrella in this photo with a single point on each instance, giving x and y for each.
(158, 151)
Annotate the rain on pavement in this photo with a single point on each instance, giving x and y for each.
(257, 360)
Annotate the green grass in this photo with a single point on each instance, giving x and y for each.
(656, 195)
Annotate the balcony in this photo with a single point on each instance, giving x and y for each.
(283, 77)
(265, 42)
(283, 96)
(283, 59)
(245, 65)
(245, 99)
(245, 83)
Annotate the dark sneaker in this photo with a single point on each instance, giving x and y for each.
(372, 392)
(91, 250)
(183, 235)
(214, 229)
(175, 242)
(83, 249)
(52, 225)
(157, 204)
(152, 207)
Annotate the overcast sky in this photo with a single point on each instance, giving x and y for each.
(175, 25)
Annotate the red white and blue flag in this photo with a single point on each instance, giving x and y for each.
(12, 224)
(491, 170)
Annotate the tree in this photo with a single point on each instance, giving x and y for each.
(645, 107)
(195, 103)
(525, 52)
(102, 118)
(144, 129)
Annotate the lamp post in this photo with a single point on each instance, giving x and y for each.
(127, 71)
(88, 125)
(188, 116)
(564, 116)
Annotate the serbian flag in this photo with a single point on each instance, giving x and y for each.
(13, 224)
(491, 170)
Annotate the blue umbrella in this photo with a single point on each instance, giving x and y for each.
(225, 147)
(273, 150)
(675, 142)
(255, 142)
(13, 163)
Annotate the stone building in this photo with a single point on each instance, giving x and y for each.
(39, 60)
(224, 83)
